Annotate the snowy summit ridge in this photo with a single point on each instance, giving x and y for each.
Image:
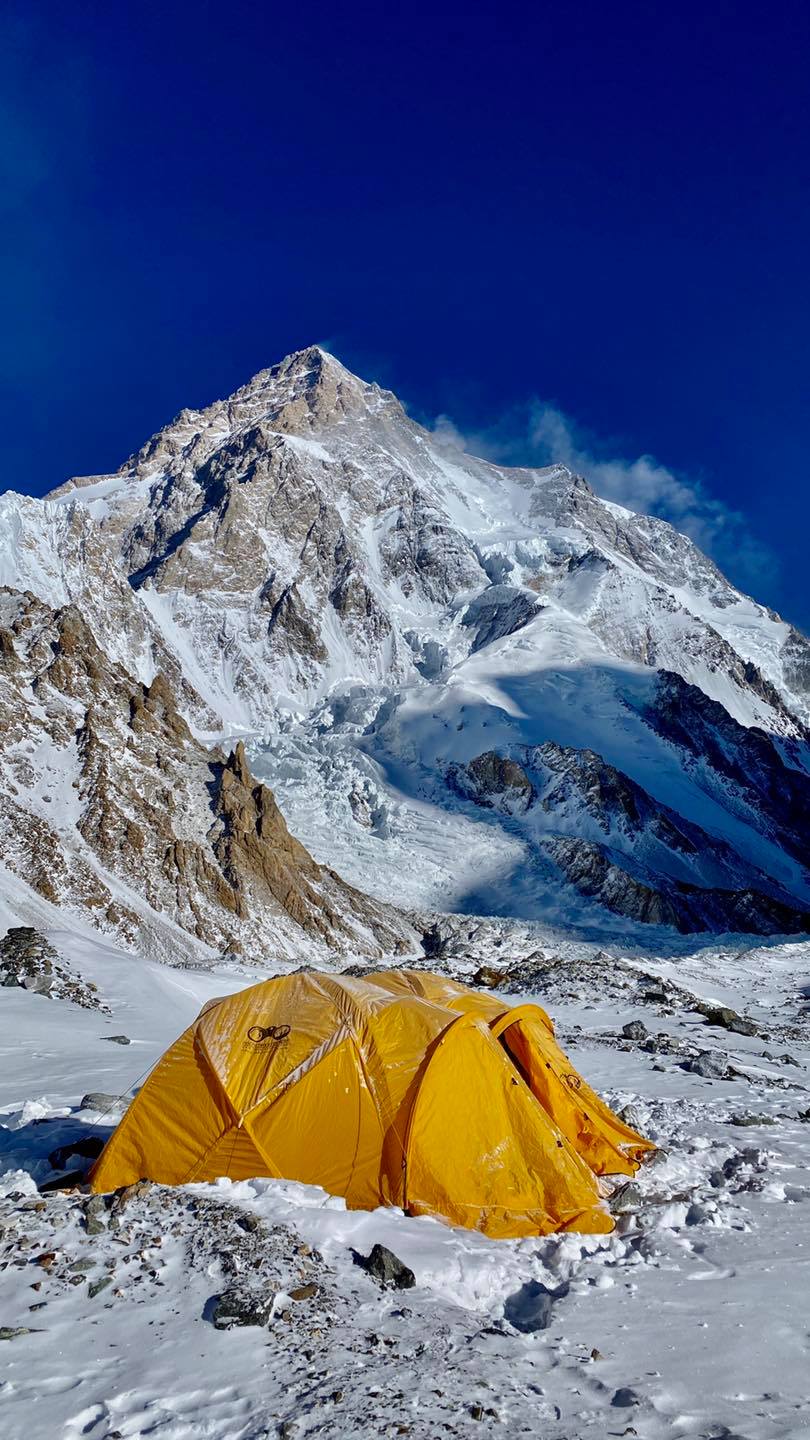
(514, 696)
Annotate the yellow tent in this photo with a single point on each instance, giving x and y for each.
(401, 1088)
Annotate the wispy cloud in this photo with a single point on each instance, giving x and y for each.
(541, 434)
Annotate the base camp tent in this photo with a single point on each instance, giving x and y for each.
(400, 1088)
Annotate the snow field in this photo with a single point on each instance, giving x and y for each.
(697, 1303)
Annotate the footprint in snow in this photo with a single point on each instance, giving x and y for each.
(86, 1422)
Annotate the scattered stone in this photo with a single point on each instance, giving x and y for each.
(434, 943)
(634, 1030)
(725, 1018)
(477, 1412)
(625, 1396)
(304, 1292)
(38, 984)
(383, 1265)
(117, 1039)
(10, 1332)
(489, 977)
(100, 1100)
(597, 1354)
(95, 1207)
(750, 1156)
(669, 1044)
(96, 1286)
(748, 1119)
(234, 1307)
(631, 1116)
(655, 993)
(709, 1065)
(789, 1060)
(626, 1199)
(122, 1197)
(29, 961)
(529, 1308)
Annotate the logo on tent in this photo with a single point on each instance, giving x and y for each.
(267, 1034)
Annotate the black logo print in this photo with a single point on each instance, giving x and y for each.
(267, 1034)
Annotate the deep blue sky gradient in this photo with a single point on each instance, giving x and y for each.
(605, 206)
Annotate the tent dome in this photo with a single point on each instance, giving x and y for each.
(400, 1088)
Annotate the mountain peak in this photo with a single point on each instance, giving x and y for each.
(301, 559)
(313, 366)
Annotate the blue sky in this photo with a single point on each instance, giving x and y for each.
(572, 229)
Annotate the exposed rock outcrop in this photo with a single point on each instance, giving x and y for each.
(149, 833)
(750, 762)
(658, 901)
(617, 844)
(29, 961)
(494, 781)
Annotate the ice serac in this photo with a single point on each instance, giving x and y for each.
(395, 627)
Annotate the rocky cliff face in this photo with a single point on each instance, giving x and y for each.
(616, 844)
(398, 631)
(111, 806)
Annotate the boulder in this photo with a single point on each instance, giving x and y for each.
(627, 1199)
(100, 1101)
(239, 1307)
(709, 1065)
(489, 977)
(725, 1018)
(95, 1207)
(634, 1030)
(384, 1266)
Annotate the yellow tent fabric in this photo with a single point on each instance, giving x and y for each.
(400, 1088)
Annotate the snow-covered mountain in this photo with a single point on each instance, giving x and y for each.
(110, 806)
(470, 687)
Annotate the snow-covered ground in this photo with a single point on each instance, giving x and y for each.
(698, 1304)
